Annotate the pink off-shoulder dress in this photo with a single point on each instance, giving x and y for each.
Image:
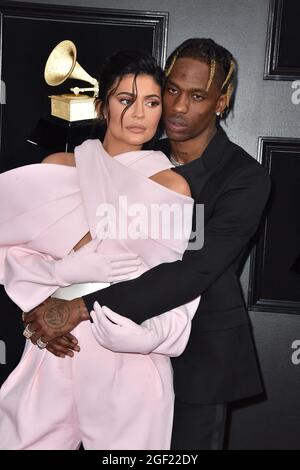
(104, 399)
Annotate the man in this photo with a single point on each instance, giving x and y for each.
(219, 363)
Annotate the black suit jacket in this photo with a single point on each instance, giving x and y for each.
(219, 363)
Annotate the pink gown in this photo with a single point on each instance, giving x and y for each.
(104, 399)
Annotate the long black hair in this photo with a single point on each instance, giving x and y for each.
(114, 68)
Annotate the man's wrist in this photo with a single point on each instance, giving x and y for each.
(82, 311)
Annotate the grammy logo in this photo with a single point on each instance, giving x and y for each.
(62, 65)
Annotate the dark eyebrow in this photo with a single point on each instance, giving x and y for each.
(199, 90)
(169, 82)
(153, 96)
(193, 90)
(125, 93)
(133, 95)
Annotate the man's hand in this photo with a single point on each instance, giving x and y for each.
(54, 318)
(63, 346)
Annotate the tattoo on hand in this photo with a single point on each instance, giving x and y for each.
(57, 315)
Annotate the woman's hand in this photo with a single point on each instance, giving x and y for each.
(31, 277)
(87, 265)
(54, 318)
(119, 334)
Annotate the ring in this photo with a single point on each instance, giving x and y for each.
(27, 333)
(40, 344)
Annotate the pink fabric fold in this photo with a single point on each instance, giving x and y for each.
(120, 400)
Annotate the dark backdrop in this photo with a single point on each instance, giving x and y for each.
(29, 33)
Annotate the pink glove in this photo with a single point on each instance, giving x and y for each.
(123, 335)
(165, 334)
(31, 277)
(87, 265)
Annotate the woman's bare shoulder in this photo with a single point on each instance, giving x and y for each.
(173, 181)
(61, 158)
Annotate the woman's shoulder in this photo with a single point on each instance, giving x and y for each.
(173, 181)
(61, 158)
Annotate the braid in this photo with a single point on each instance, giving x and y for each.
(169, 67)
(220, 60)
(230, 87)
(212, 73)
(172, 59)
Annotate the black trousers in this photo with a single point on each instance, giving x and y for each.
(198, 427)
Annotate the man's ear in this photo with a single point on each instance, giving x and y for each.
(221, 104)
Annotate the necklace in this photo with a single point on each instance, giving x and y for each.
(174, 161)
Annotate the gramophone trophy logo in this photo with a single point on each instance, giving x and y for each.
(62, 65)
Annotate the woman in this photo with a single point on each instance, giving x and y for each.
(102, 398)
